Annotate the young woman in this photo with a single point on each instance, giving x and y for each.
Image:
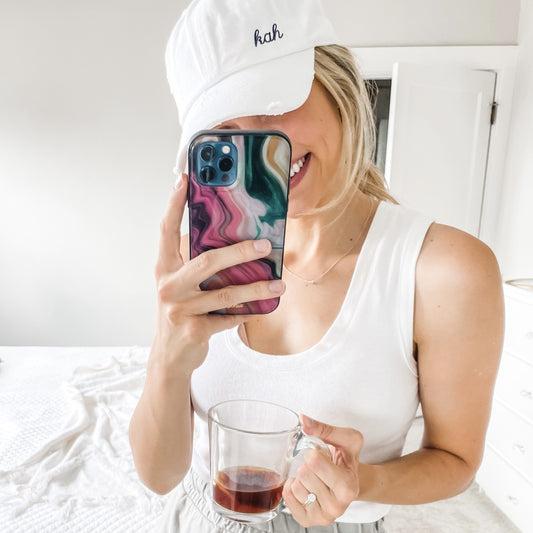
(381, 309)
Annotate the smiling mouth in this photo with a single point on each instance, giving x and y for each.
(298, 165)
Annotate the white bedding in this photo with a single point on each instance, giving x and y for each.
(65, 460)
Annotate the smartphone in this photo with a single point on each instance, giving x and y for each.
(239, 190)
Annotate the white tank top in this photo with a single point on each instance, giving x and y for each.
(361, 374)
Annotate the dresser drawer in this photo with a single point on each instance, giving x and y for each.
(514, 385)
(512, 436)
(510, 491)
(519, 327)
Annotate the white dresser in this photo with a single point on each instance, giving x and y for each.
(506, 474)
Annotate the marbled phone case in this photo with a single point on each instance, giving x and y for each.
(253, 207)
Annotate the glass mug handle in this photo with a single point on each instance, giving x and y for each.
(303, 442)
(306, 442)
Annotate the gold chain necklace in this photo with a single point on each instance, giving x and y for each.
(337, 261)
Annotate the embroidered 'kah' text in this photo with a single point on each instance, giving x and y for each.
(268, 37)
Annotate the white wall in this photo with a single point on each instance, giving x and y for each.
(88, 134)
(426, 22)
(516, 229)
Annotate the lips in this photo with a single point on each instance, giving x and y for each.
(298, 169)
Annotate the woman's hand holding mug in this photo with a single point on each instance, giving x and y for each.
(332, 482)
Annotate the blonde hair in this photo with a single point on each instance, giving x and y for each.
(336, 70)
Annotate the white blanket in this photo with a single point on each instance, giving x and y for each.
(64, 447)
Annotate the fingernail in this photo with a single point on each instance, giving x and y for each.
(261, 245)
(276, 286)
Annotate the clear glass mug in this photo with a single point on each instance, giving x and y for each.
(252, 449)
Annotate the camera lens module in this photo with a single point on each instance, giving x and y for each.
(214, 162)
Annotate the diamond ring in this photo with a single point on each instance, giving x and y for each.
(310, 499)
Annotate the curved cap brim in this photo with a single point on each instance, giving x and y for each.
(269, 88)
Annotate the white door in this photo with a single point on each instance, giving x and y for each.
(438, 139)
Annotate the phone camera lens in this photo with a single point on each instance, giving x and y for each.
(207, 174)
(207, 153)
(225, 164)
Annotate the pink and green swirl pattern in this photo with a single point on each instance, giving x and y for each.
(254, 207)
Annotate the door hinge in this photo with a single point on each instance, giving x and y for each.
(493, 112)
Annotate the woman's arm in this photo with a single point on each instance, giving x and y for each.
(161, 430)
(161, 427)
(458, 330)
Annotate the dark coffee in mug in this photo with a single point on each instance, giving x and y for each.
(248, 489)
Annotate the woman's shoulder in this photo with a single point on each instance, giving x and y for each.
(445, 246)
(454, 264)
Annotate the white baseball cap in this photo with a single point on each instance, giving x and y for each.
(235, 58)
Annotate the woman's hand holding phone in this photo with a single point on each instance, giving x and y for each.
(237, 193)
(185, 321)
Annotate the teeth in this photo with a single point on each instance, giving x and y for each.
(296, 167)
